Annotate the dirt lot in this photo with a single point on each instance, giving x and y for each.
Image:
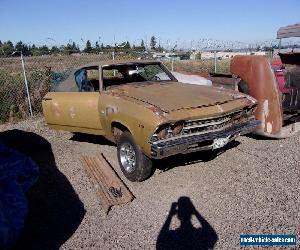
(252, 187)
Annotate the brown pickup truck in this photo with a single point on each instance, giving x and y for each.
(149, 115)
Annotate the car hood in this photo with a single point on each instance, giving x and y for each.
(176, 96)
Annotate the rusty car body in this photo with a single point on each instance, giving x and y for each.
(149, 114)
(276, 86)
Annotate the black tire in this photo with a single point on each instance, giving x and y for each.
(243, 87)
(143, 165)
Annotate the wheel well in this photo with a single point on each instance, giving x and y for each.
(117, 129)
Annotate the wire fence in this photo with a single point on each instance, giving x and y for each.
(199, 67)
(42, 74)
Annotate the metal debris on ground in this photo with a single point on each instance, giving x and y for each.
(110, 188)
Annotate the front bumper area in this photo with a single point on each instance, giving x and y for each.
(198, 142)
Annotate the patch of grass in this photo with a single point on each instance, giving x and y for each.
(199, 67)
(13, 99)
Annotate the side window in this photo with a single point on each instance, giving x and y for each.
(111, 73)
(93, 74)
(93, 79)
(79, 78)
(87, 80)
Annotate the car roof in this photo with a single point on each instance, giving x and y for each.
(70, 85)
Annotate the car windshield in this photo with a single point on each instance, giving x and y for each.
(134, 73)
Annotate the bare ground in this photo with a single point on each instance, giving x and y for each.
(251, 188)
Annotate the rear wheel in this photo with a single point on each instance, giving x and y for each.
(134, 164)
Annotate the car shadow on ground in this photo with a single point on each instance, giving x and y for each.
(55, 210)
(165, 163)
(261, 137)
(94, 139)
(187, 159)
(193, 233)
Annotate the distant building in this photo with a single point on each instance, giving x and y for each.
(171, 55)
(224, 54)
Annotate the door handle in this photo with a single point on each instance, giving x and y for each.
(47, 99)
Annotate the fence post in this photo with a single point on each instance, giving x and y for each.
(172, 63)
(26, 84)
(113, 57)
(215, 57)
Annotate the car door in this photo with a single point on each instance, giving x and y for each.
(74, 111)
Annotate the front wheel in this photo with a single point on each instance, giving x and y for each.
(134, 164)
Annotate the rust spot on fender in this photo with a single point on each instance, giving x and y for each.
(110, 110)
(121, 93)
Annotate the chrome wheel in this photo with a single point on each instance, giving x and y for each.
(127, 157)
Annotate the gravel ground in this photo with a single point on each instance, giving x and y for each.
(251, 188)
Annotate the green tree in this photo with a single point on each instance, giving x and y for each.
(70, 48)
(153, 43)
(142, 45)
(7, 48)
(75, 48)
(44, 50)
(88, 47)
(198, 56)
(127, 46)
(39, 51)
(34, 50)
(63, 49)
(1, 51)
(54, 50)
(20, 46)
(97, 47)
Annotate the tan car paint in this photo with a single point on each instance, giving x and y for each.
(136, 108)
(173, 96)
(73, 110)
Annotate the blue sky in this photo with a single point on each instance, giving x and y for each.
(173, 20)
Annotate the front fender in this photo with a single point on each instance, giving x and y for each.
(139, 120)
(256, 71)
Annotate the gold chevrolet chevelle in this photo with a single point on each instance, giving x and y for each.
(149, 114)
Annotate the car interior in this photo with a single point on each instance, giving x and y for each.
(87, 79)
(117, 75)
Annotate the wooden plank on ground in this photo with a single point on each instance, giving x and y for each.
(109, 187)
